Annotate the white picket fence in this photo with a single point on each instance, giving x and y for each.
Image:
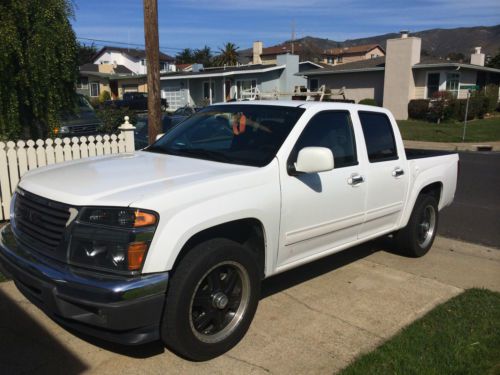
(16, 158)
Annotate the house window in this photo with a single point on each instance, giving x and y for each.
(432, 84)
(208, 90)
(246, 88)
(313, 84)
(82, 83)
(339, 59)
(94, 89)
(143, 62)
(330, 60)
(453, 83)
(163, 66)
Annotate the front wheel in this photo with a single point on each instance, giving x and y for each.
(417, 237)
(211, 300)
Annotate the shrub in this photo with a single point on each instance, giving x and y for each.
(112, 118)
(418, 108)
(104, 96)
(491, 93)
(368, 101)
(440, 108)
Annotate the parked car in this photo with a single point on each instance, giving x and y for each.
(136, 101)
(141, 132)
(82, 122)
(173, 242)
(168, 122)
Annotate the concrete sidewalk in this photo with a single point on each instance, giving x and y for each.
(451, 146)
(315, 319)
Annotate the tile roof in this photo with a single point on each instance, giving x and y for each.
(351, 50)
(134, 52)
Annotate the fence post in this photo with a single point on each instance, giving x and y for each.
(127, 130)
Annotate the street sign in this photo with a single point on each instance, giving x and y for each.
(469, 87)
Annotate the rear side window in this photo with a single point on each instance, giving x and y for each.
(333, 130)
(379, 136)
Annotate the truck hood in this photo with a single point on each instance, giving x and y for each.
(120, 180)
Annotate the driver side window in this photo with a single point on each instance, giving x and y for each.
(333, 130)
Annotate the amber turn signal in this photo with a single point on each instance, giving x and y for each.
(136, 253)
(143, 219)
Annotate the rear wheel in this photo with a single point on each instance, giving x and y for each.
(418, 236)
(211, 301)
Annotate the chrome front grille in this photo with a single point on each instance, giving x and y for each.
(40, 221)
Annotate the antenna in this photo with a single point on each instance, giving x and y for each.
(293, 36)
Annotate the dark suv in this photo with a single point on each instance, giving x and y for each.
(83, 121)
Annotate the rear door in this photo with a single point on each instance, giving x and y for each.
(386, 174)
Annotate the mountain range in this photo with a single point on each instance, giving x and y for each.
(435, 42)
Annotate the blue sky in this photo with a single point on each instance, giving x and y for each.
(195, 23)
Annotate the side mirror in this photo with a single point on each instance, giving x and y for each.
(159, 136)
(314, 160)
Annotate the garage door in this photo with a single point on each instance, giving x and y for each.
(175, 97)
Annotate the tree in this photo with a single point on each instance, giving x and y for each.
(38, 66)
(495, 61)
(228, 55)
(185, 57)
(86, 53)
(203, 56)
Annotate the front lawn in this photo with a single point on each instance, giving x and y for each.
(477, 130)
(461, 336)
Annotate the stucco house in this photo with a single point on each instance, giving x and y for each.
(335, 56)
(202, 86)
(132, 58)
(402, 75)
(116, 79)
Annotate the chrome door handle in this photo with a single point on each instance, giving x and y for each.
(397, 172)
(355, 179)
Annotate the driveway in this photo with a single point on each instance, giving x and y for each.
(315, 319)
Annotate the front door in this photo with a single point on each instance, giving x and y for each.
(322, 211)
(386, 175)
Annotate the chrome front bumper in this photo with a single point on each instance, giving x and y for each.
(113, 308)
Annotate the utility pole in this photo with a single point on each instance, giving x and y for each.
(153, 67)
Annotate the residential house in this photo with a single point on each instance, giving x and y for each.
(132, 58)
(116, 79)
(269, 55)
(203, 86)
(402, 75)
(335, 56)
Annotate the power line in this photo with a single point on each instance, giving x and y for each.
(100, 41)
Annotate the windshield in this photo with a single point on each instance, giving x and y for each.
(239, 134)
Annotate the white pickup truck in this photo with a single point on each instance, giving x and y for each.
(172, 242)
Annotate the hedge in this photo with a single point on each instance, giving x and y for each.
(368, 101)
(418, 108)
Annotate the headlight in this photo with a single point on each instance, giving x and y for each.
(64, 130)
(112, 239)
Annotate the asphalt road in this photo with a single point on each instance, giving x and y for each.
(474, 216)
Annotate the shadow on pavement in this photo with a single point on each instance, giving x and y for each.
(27, 347)
(289, 279)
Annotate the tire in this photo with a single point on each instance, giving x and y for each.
(416, 239)
(211, 300)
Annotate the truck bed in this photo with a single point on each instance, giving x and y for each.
(412, 153)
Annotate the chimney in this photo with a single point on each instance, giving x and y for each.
(404, 34)
(477, 58)
(399, 84)
(257, 51)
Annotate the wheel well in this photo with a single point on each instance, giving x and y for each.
(434, 190)
(247, 232)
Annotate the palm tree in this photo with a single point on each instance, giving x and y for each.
(185, 56)
(203, 56)
(228, 55)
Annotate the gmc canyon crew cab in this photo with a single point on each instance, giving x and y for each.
(172, 242)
